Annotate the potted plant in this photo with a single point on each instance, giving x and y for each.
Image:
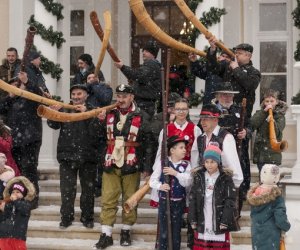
(195, 99)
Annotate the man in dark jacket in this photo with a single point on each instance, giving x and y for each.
(128, 153)
(26, 128)
(231, 121)
(200, 69)
(146, 79)
(240, 72)
(76, 153)
(100, 93)
(7, 71)
(85, 67)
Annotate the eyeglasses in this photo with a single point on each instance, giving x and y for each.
(181, 110)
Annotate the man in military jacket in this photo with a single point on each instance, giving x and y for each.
(128, 153)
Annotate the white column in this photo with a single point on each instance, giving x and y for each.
(48, 149)
(216, 30)
(296, 168)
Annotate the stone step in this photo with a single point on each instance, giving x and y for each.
(78, 244)
(145, 215)
(145, 232)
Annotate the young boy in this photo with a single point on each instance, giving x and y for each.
(178, 171)
(212, 210)
(268, 211)
(263, 153)
(15, 213)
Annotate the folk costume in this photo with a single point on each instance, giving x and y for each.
(225, 141)
(14, 219)
(177, 193)
(127, 130)
(268, 210)
(212, 204)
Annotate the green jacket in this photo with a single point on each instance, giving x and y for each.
(262, 152)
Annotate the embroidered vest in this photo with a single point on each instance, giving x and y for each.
(177, 191)
(187, 133)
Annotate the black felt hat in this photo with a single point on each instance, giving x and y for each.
(210, 111)
(125, 88)
(244, 46)
(225, 87)
(173, 140)
(152, 47)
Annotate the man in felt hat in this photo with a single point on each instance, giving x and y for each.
(128, 154)
(77, 148)
(146, 79)
(212, 132)
(85, 67)
(231, 120)
(240, 72)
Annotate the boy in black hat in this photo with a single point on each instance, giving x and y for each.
(15, 213)
(76, 153)
(178, 171)
(240, 72)
(85, 66)
(128, 154)
(146, 79)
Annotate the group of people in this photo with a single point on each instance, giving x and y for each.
(207, 168)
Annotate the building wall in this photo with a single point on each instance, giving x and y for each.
(4, 20)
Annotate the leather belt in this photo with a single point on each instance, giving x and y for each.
(126, 144)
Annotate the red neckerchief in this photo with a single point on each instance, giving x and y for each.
(125, 111)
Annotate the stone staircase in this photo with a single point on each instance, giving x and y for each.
(44, 232)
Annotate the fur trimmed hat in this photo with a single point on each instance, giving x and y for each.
(87, 58)
(24, 182)
(212, 152)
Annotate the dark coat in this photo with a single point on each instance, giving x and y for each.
(268, 218)
(14, 219)
(100, 94)
(77, 141)
(262, 152)
(4, 69)
(146, 80)
(200, 69)
(224, 200)
(144, 150)
(244, 79)
(22, 117)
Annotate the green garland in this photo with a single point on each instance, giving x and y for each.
(208, 19)
(296, 17)
(54, 8)
(49, 67)
(54, 37)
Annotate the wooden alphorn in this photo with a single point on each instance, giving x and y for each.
(145, 20)
(197, 23)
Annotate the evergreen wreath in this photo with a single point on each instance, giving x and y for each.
(296, 17)
(54, 37)
(54, 8)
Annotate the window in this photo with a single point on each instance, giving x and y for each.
(273, 37)
(77, 23)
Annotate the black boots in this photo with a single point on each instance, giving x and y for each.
(125, 239)
(104, 242)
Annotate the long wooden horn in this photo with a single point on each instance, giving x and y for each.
(57, 116)
(134, 200)
(197, 23)
(107, 31)
(98, 29)
(31, 96)
(277, 146)
(145, 20)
